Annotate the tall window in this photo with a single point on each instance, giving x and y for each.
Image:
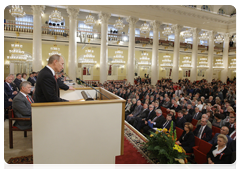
(84, 27)
(221, 11)
(205, 7)
(137, 32)
(27, 20)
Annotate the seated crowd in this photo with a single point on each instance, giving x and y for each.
(207, 104)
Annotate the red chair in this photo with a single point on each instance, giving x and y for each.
(194, 127)
(14, 128)
(216, 129)
(165, 115)
(200, 151)
(194, 122)
(164, 110)
(176, 116)
(179, 132)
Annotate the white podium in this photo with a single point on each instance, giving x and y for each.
(83, 132)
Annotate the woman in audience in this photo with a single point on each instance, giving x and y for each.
(210, 116)
(217, 121)
(24, 77)
(134, 103)
(200, 105)
(231, 115)
(220, 153)
(218, 101)
(177, 100)
(173, 113)
(187, 139)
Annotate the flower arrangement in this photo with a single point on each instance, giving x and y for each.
(161, 147)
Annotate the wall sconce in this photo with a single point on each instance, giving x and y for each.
(180, 69)
(97, 66)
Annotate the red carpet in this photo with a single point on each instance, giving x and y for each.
(130, 160)
(130, 156)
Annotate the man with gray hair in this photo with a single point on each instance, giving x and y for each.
(157, 122)
(22, 106)
(47, 88)
(203, 131)
(209, 124)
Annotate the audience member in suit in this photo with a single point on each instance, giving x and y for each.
(22, 106)
(8, 89)
(187, 139)
(156, 106)
(208, 108)
(232, 147)
(217, 121)
(180, 122)
(203, 131)
(18, 80)
(193, 105)
(136, 111)
(7, 101)
(175, 107)
(128, 105)
(47, 89)
(173, 113)
(209, 124)
(139, 120)
(157, 122)
(224, 131)
(190, 110)
(233, 134)
(197, 114)
(34, 76)
(168, 122)
(167, 103)
(151, 114)
(230, 122)
(14, 86)
(134, 104)
(186, 115)
(30, 79)
(220, 153)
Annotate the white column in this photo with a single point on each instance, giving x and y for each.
(224, 72)
(131, 49)
(37, 37)
(193, 76)
(72, 49)
(175, 71)
(209, 71)
(11, 66)
(104, 46)
(154, 68)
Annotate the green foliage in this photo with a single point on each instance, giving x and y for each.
(161, 147)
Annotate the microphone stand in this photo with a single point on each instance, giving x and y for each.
(93, 89)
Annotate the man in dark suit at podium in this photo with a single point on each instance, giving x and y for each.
(47, 88)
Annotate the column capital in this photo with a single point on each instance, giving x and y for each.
(104, 16)
(227, 35)
(177, 28)
(132, 20)
(155, 24)
(72, 12)
(37, 9)
(195, 31)
(211, 34)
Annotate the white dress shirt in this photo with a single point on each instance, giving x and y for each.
(216, 151)
(53, 72)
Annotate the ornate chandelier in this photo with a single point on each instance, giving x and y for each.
(219, 39)
(55, 50)
(89, 20)
(233, 64)
(145, 28)
(144, 59)
(144, 56)
(89, 53)
(203, 64)
(167, 31)
(119, 24)
(234, 39)
(166, 61)
(186, 34)
(204, 36)
(118, 54)
(17, 11)
(186, 63)
(56, 16)
(17, 54)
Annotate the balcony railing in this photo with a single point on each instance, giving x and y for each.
(20, 26)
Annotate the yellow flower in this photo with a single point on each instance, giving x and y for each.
(151, 135)
(160, 129)
(181, 161)
(156, 132)
(165, 130)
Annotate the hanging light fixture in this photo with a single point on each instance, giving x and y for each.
(186, 34)
(232, 65)
(144, 59)
(186, 63)
(203, 64)
(118, 54)
(55, 50)
(234, 39)
(167, 31)
(119, 24)
(89, 53)
(17, 54)
(144, 56)
(204, 36)
(219, 39)
(90, 20)
(145, 28)
(17, 11)
(218, 65)
(56, 16)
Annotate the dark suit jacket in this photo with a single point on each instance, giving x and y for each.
(47, 89)
(188, 117)
(151, 116)
(188, 141)
(22, 109)
(169, 125)
(213, 141)
(143, 114)
(206, 134)
(180, 123)
(222, 158)
(62, 85)
(199, 116)
(176, 108)
(8, 91)
(230, 129)
(31, 81)
(159, 121)
(166, 104)
(17, 82)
